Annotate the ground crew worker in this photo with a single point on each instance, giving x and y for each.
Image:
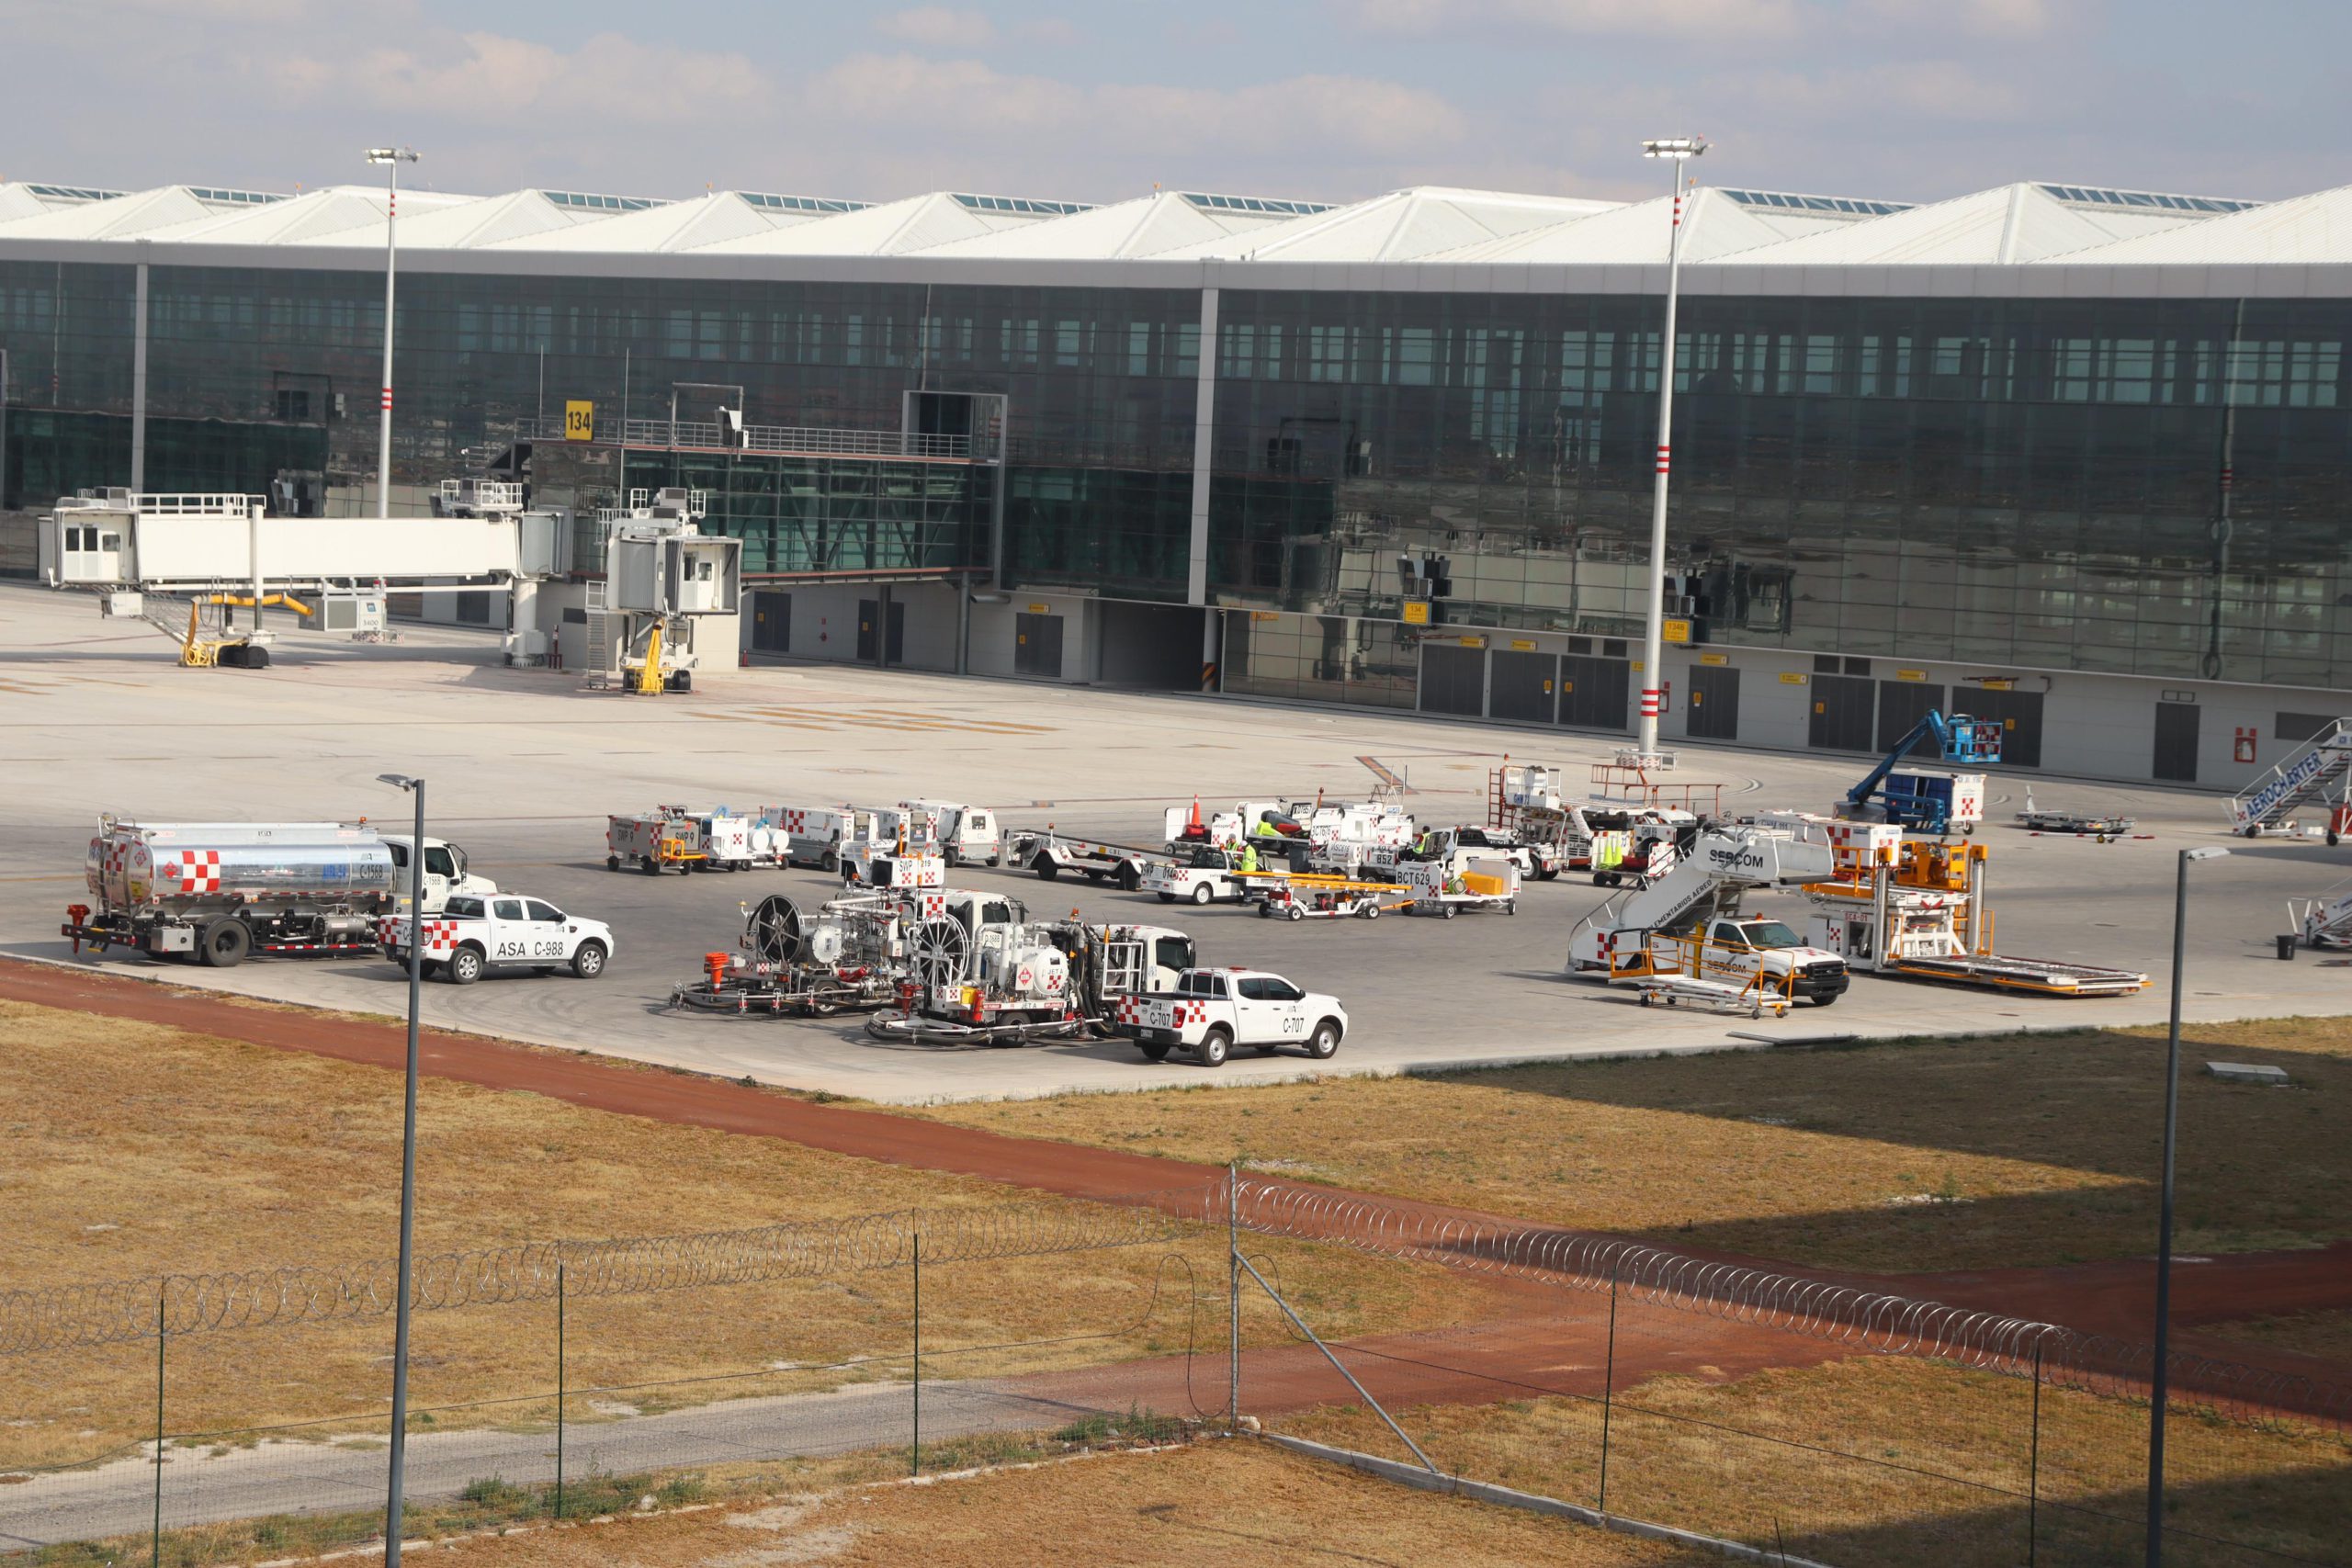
(1249, 858)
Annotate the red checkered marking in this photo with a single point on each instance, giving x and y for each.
(196, 871)
(440, 936)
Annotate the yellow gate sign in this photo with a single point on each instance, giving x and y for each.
(1674, 631)
(1417, 611)
(580, 422)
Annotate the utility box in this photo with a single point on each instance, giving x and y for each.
(354, 615)
(121, 604)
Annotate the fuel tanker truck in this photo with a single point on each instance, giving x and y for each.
(218, 891)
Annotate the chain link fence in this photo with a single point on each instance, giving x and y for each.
(220, 1416)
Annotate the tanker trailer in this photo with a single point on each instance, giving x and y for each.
(217, 891)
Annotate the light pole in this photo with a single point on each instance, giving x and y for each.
(407, 1167)
(391, 158)
(1677, 151)
(2164, 1221)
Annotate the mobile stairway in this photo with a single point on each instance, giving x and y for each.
(2319, 774)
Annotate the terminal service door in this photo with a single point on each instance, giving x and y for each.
(1453, 679)
(1714, 703)
(1595, 692)
(1900, 706)
(1525, 686)
(1037, 645)
(771, 622)
(2019, 715)
(1842, 712)
(2177, 742)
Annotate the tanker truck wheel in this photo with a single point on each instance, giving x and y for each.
(225, 943)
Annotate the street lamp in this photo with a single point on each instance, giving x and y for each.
(391, 158)
(408, 1167)
(1677, 151)
(2164, 1221)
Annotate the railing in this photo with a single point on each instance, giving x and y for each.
(197, 505)
(811, 440)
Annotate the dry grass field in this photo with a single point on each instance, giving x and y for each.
(1216, 1501)
(1847, 1462)
(128, 1150)
(2016, 1150)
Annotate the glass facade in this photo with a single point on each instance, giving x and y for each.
(2020, 483)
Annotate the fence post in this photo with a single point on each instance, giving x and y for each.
(2034, 1467)
(1608, 1390)
(155, 1558)
(1233, 1294)
(915, 1454)
(559, 1389)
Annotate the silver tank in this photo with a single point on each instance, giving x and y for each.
(195, 866)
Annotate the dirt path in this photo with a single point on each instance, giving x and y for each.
(2100, 1298)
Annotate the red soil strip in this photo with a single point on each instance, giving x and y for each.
(2099, 1298)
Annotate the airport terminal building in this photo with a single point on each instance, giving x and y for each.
(2071, 457)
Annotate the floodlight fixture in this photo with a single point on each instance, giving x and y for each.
(1675, 147)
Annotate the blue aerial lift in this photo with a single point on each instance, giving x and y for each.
(1919, 800)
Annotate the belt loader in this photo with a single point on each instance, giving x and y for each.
(1918, 910)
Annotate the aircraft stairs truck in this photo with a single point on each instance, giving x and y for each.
(1653, 935)
(2319, 774)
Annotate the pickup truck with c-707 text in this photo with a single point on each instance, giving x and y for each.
(1210, 1011)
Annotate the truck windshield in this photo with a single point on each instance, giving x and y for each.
(1770, 933)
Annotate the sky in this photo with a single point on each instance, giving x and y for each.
(1323, 99)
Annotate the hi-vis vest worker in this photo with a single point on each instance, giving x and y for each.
(1248, 862)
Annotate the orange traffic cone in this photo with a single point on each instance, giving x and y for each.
(1196, 821)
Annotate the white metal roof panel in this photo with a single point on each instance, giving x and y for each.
(2006, 224)
(1146, 226)
(685, 225)
(1714, 226)
(31, 198)
(2301, 230)
(1403, 225)
(893, 228)
(140, 212)
(470, 225)
(303, 218)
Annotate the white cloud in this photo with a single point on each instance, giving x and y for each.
(1337, 114)
(1699, 20)
(2004, 19)
(484, 77)
(938, 27)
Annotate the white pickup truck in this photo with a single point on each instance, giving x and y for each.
(1212, 1010)
(1207, 876)
(474, 935)
(1742, 948)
